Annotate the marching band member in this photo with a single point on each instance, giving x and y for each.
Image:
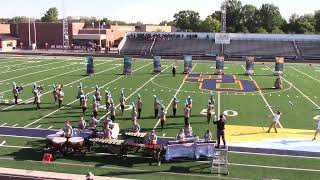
(107, 132)
(55, 93)
(93, 122)
(15, 92)
(97, 94)
(108, 98)
(275, 122)
(135, 127)
(112, 111)
(173, 70)
(188, 130)
(163, 116)
(152, 139)
(95, 107)
(68, 130)
(34, 91)
(37, 98)
(207, 136)
(210, 110)
(180, 136)
(156, 105)
(82, 123)
(139, 105)
(318, 128)
(186, 114)
(134, 113)
(60, 97)
(106, 121)
(80, 93)
(122, 101)
(211, 98)
(175, 105)
(189, 100)
(84, 104)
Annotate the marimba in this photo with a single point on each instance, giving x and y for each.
(138, 138)
(112, 146)
(152, 150)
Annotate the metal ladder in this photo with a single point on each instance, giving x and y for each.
(219, 163)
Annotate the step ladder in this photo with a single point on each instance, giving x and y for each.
(219, 163)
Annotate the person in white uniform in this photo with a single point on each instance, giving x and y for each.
(275, 121)
(318, 128)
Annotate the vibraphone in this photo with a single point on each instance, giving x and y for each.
(112, 146)
(138, 138)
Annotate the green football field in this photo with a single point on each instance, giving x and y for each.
(246, 114)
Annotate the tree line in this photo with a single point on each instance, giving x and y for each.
(239, 18)
(249, 19)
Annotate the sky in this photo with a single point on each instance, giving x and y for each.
(146, 11)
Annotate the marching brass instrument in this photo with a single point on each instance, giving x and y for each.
(19, 89)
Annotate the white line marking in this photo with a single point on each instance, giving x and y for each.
(50, 127)
(31, 99)
(15, 125)
(49, 78)
(3, 142)
(20, 147)
(178, 90)
(139, 89)
(27, 137)
(53, 112)
(275, 167)
(126, 169)
(277, 155)
(38, 126)
(264, 99)
(298, 90)
(29, 67)
(305, 74)
(3, 124)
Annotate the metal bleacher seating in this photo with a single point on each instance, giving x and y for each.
(137, 46)
(260, 48)
(200, 47)
(309, 49)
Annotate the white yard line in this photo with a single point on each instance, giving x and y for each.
(30, 99)
(20, 147)
(53, 112)
(305, 74)
(178, 90)
(264, 99)
(29, 67)
(315, 104)
(27, 137)
(3, 124)
(15, 125)
(38, 126)
(50, 127)
(276, 155)
(37, 72)
(275, 167)
(3, 142)
(68, 72)
(140, 87)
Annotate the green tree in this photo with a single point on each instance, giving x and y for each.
(168, 23)
(187, 20)
(51, 15)
(270, 17)
(317, 21)
(261, 30)
(19, 19)
(302, 24)
(249, 18)
(209, 25)
(277, 30)
(233, 10)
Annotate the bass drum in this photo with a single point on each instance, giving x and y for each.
(115, 131)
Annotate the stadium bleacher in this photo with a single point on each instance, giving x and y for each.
(186, 46)
(263, 48)
(266, 46)
(309, 49)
